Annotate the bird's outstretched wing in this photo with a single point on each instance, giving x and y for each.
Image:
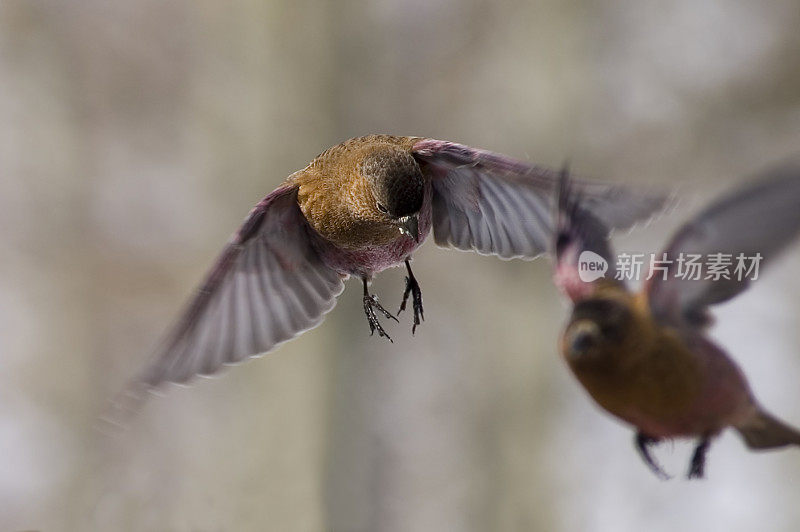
(497, 205)
(267, 286)
(755, 222)
(581, 242)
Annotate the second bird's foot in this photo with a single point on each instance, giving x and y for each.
(412, 288)
(696, 470)
(370, 306)
(698, 463)
(643, 442)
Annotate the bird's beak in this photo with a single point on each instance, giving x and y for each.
(409, 225)
(582, 336)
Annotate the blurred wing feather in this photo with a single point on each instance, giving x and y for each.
(267, 286)
(761, 218)
(498, 205)
(578, 230)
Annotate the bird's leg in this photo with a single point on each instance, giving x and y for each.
(698, 463)
(412, 287)
(370, 306)
(643, 442)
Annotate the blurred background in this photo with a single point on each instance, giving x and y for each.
(134, 138)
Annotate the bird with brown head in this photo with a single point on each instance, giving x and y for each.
(644, 356)
(358, 208)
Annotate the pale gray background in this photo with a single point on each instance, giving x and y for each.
(135, 136)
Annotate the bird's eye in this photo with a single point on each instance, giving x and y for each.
(382, 208)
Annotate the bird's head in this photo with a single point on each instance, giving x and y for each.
(599, 331)
(397, 186)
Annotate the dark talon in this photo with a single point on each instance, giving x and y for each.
(370, 305)
(642, 443)
(697, 467)
(412, 287)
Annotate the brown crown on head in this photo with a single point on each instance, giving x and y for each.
(396, 179)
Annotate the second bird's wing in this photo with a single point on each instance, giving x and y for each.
(498, 205)
(581, 242)
(267, 286)
(758, 220)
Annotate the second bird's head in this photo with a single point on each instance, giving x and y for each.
(601, 330)
(398, 188)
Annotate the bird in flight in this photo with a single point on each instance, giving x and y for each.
(644, 356)
(358, 208)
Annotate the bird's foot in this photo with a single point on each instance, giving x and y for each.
(370, 306)
(413, 289)
(643, 442)
(698, 463)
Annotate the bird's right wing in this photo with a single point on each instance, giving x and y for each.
(758, 220)
(583, 255)
(497, 205)
(267, 286)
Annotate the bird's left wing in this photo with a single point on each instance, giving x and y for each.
(497, 205)
(267, 286)
(755, 223)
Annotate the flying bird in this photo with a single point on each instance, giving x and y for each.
(358, 208)
(644, 356)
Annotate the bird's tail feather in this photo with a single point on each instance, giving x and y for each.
(763, 431)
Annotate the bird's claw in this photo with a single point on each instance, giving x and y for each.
(370, 306)
(642, 445)
(698, 463)
(696, 470)
(412, 288)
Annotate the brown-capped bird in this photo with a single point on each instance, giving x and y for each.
(357, 209)
(644, 357)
